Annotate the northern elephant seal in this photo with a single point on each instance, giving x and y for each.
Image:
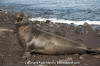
(35, 40)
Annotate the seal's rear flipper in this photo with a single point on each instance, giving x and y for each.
(93, 52)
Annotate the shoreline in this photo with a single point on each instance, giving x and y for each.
(54, 20)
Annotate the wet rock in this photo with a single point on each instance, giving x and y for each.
(97, 56)
(88, 27)
(98, 34)
(80, 30)
(71, 28)
(97, 31)
(6, 17)
(98, 49)
(79, 40)
(19, 16)
(48, 21)
(1, 10)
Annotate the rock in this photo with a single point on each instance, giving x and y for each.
(97, 56)
(98, 34)
(48, 21)
(6, 30)
(80, 29)
(98, 49)
(88, 27)
(79, 40)
(71, 28)
(19, 16)
(6, 17)
(1, 10)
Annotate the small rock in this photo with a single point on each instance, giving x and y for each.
(98, 34)
(97, 57)
(81, 57)
(48, 21)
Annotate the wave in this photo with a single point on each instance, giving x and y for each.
(54, 20)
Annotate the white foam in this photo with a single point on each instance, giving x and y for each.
(65, 21)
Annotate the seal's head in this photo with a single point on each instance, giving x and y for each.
(21, 19)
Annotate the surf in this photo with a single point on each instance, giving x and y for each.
(54, 20)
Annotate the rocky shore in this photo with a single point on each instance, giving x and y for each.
(11, 52)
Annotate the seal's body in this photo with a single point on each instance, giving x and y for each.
(35, 40)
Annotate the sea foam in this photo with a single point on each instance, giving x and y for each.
(66, 21)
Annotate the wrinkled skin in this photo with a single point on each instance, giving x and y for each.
(34, 40)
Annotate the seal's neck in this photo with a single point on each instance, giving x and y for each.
(28, 29)
(20, 27)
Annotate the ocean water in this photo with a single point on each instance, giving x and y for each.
(69, 10)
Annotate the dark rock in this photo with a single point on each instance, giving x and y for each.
(98, 34)
(48, 21)
(88, 27)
